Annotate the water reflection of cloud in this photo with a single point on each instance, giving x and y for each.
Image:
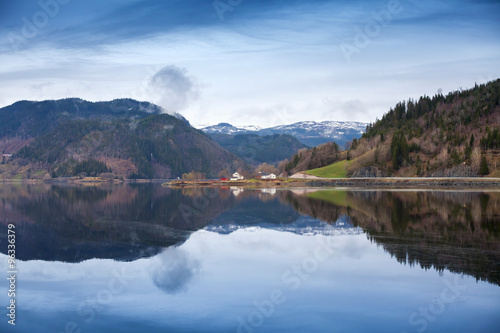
(355, 250)
(176, 268)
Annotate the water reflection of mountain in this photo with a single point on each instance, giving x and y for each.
(124, 222)
(75, 223)
(458, 231)
(304, 225)
(255, 208)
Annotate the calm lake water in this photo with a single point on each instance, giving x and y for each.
(143, 258)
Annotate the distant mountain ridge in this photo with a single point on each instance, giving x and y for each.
(226, 128)
(256, 149)
(310, 133)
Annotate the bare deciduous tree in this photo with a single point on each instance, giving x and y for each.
(264, 167)
(476, 159)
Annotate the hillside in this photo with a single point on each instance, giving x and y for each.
(123, 137)
(313, 158)
(453, 135)
(256, 149)
(310, 133)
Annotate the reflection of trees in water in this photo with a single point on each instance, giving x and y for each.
(400, 215)
(125, 222)
(252, 208)
(314, 208)
(458, 231)
(490, 222)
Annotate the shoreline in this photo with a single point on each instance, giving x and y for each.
(386, 182)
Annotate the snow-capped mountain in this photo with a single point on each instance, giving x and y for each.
(251, 128)
(225, 128)
(311, 133)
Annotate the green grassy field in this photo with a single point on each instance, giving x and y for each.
(335, 170)
(337, 198)
(40, 173)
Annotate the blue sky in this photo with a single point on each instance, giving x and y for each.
(263, 62)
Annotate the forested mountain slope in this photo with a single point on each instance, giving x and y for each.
(124, 137)
(453, 135)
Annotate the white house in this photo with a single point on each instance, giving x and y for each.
(267, 176)
(237, 176)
